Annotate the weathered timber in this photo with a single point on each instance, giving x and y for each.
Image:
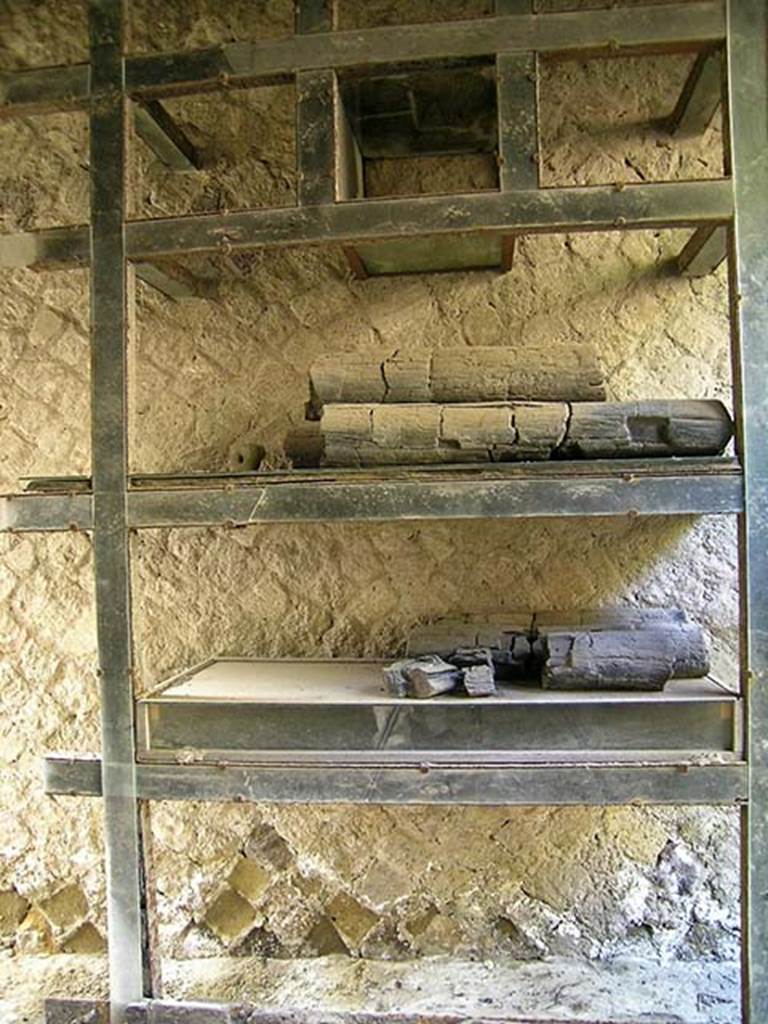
(447, 635)
(483, 374)
(422, 677)
(635, 659)
(478, 680)
(616, 429)
(592, 619)
(303, 445)
(417, 434)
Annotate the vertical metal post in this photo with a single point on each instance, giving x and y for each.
(315, 113)
(128, 947)
(748, 106)
(315, 15)
(516, 89)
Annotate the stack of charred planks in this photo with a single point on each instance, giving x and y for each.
(610, 649)
(483, 405)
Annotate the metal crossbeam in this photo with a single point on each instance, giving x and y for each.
(556, 784)
(700, 97)
(671, 28)
(590, 208)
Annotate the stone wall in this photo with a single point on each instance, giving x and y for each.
(510, 883)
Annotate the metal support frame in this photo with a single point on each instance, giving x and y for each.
(156, 127)
(330, 210)
(748, 104)
(701, 95)
(130, 961)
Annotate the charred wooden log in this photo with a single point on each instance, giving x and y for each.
(483, 374)
(634, 659)
(622, 429)
(371, 435)
(422, 677)
(304, 445)
(607, 618)
(377, 435)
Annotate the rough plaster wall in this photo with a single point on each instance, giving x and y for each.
(301, 881)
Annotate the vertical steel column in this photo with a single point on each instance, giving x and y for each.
(748, 104)
(128, 947)
(315, 114)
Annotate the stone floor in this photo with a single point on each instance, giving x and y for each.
(676, 993)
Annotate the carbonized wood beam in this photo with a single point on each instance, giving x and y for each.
(700, 97)
(704, 251)
(554, 784)
(156, 127)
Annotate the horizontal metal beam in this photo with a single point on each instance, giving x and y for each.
(22, 513)
(704, 251)
(533, 494)
(671, 28)
(44, 90)
(81, 1011)
(555, 784)
(593, 208)
(49, 248)
(602, 488)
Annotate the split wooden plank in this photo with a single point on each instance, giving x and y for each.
(482, 374)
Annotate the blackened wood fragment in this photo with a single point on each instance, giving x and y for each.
(422, 677)
(637, 659)
(620, 429)
(478, 680)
